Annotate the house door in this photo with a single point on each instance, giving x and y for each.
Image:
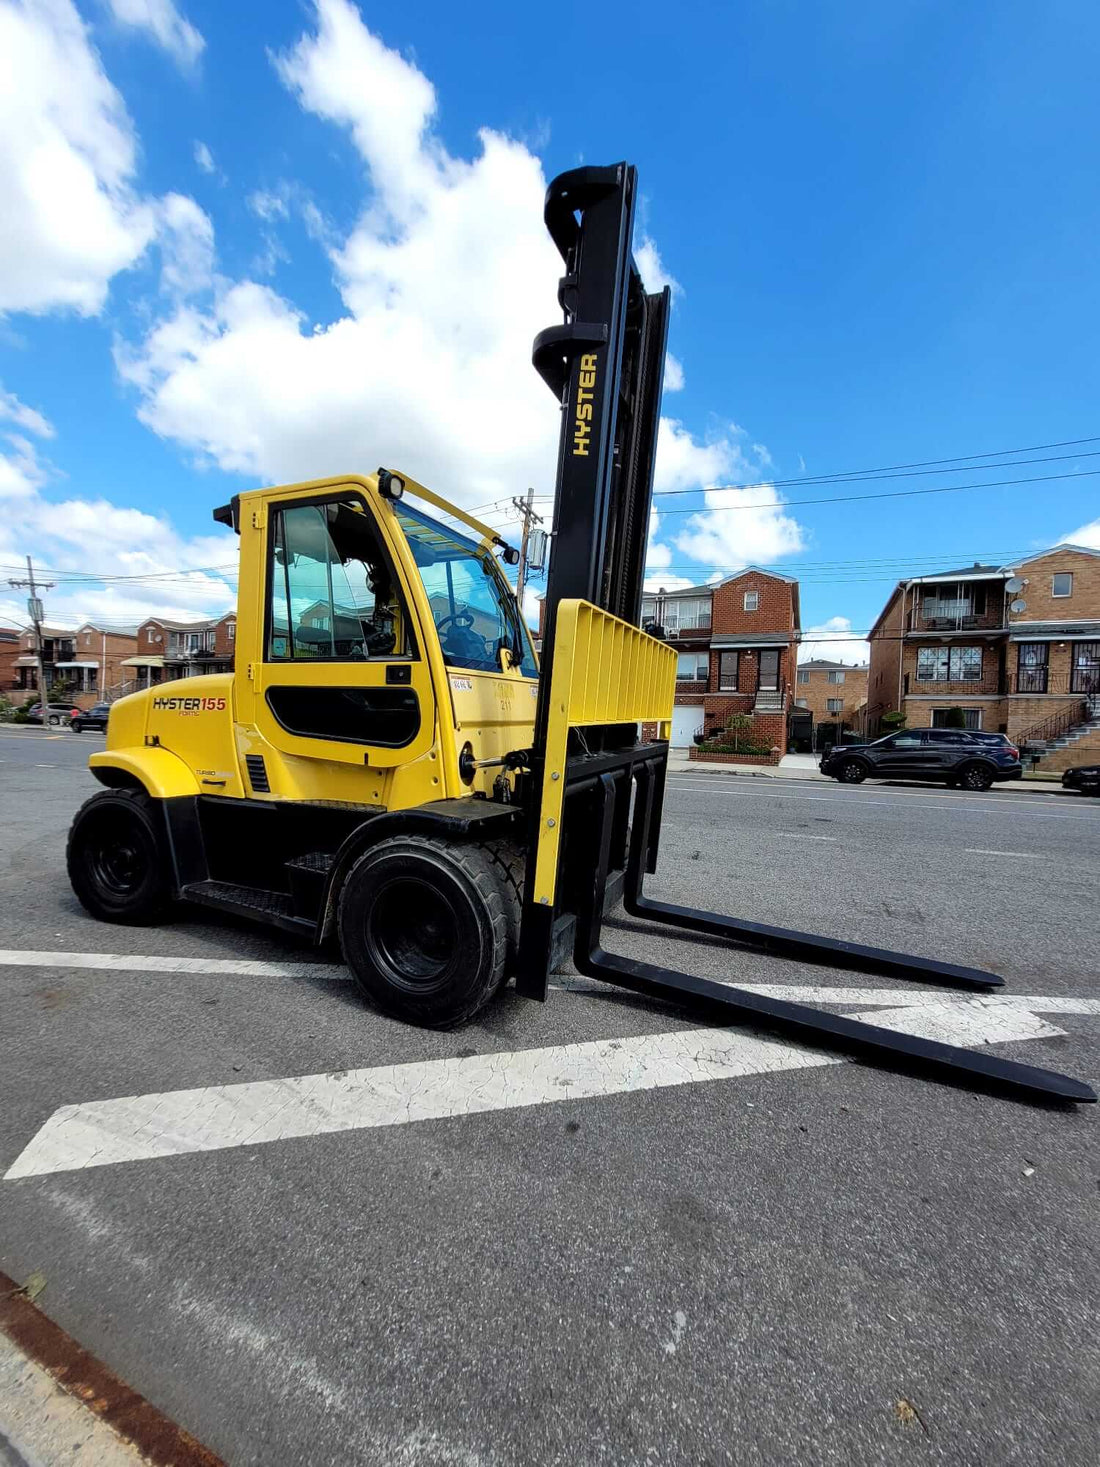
(769, 669)
(1085, 677)
(1031, 667)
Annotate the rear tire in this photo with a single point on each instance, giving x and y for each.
(117, 858)
(853, 771)
(430, 928)
(975, 777)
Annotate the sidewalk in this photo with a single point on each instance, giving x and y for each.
(804, 767)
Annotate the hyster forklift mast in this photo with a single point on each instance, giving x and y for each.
(595, 813)
(387, 767)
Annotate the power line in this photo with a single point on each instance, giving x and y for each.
(899, 471)
(849, 498)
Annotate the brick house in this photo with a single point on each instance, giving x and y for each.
(90, 661)
(10, 648)
(833, 692)
(1016, 647)
(737, 643)
(167, 650)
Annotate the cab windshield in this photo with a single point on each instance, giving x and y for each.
(475, 612)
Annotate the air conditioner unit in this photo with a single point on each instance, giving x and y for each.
(671, 634)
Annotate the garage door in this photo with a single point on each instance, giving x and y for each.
(686, 722)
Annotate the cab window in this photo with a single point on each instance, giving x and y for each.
(474, 609)
(332, 594)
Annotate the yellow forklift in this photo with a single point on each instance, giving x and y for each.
(389, 768)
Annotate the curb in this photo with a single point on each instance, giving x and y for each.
(108, 1400)
(1016, 786)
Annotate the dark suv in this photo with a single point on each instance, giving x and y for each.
(953, 755)
(94, 717)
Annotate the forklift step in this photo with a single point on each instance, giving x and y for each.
(306, 876)
(276, 908)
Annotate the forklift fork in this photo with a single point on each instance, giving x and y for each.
(598, 810)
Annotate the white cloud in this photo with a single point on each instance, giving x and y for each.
(1086, 535)
(832, 640)
(269, 204)
(67, 160)
(666, 583)
(165, 26)
(651, 268)
(740, 527)
(14, 411)
(204, 158)
(674, 373)
(186, 238)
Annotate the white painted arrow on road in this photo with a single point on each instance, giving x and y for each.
(178, 1122)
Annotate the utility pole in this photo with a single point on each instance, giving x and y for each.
(528, 517)
(37, 615)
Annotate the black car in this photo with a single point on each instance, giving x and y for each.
(1085, 778)
(94, 717)
(955, 756)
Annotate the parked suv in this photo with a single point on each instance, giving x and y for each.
(94, 717)
(955, 756)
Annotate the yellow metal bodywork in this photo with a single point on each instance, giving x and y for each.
(605, 671)
(192, 735)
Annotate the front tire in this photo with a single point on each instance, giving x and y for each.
(429, 928)
(976, 777)
(117, 858)
(853, 771)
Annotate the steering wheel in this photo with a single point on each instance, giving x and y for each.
(462, 619)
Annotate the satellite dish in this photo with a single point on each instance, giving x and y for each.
(1017, 606)
(1014, 586)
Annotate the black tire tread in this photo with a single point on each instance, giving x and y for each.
(491, 867)
(154, 912)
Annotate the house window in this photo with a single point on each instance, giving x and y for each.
(834, 705)
(803, 677)
(692, 667)
(836, 677)
(727, 671)
(752, 600)
(801, 703)
(973, 717)
(949, 665)
(1062, 584)
(232, 631)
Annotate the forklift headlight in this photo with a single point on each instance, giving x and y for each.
(390, 486)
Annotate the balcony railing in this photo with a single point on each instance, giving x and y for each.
(1079, 682)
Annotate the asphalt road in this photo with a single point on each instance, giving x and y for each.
(808, 1265)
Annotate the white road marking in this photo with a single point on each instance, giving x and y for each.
(153, 966)
(1000, 797)
(916, 997)
(178, 1122)
(799, 835)
(993, 808)
(127, 962)
(1016, 855)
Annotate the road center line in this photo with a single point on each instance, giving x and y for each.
(798, 835)
(1016, 855)
(178, 1122)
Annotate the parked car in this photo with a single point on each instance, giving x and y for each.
(94, 717)
(1084, 778)
(56, 713)
(955, 756)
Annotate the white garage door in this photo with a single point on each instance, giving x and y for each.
(686, 722)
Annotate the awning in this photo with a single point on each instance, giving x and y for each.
(76, 664)
(26, 662)
(143, 661)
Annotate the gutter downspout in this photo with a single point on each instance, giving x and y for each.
(906, 585)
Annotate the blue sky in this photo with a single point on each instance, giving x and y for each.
(256, 243)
